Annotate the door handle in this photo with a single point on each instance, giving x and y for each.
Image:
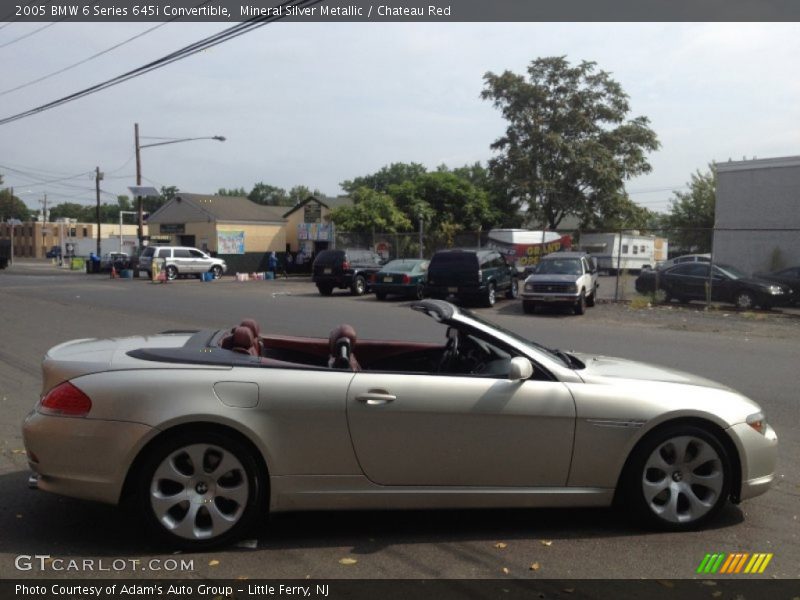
(376, 398)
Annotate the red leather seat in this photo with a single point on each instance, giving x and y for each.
(244, 342)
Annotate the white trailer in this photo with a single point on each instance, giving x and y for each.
(85, 246)
(625, 252)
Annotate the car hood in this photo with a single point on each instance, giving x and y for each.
(600, 368)
(551, 278)
(762, 283)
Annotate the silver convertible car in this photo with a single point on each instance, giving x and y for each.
(206, 431)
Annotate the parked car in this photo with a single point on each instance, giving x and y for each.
(789, 277)
(471, 275)
(181, 260)
(689, 281)
(401, 277)
(117, 260)
(348, 268)
(484, 418)
(54, 252)
(683, 259)
(562, 278)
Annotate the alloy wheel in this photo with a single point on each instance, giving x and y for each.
(682, 479)
(199, 491)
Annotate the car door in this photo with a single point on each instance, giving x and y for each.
(200, 262)
(183, 261)
(417, 429)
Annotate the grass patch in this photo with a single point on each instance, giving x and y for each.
(641, 302)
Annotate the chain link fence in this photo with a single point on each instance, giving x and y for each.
(630, 261)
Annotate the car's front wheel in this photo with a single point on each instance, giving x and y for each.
(491, 295)
(679, 478)
(590, 300)
(359, 286)
(513, 291)
(199, 490)
(580, 305)
(745, 300)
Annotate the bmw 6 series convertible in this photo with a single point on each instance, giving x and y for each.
(205, 432)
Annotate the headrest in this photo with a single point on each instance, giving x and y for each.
(342, 331)
(252, 325)
(243, 339)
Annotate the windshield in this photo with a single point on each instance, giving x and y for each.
(554, 354)
(558, 266)
(731, 272)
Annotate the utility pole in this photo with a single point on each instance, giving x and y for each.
(43, 202)
(97, 177)
(139, 203)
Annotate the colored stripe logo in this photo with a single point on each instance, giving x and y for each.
(734, 563)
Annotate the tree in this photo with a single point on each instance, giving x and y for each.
(300, 192)
(231, 192)
(71, 210)
(124, 202)
(445, 201)
(621, 213)
(504, 206)
(691, 216)
(271, 195)
(394, 174)
(569, 146)
(11, 207)
(370, 211)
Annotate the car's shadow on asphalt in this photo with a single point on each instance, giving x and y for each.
(35, 522)
(515, 309)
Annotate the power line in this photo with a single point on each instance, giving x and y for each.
(93, 56)
(17, 18)
(186, 51)
(34, 32)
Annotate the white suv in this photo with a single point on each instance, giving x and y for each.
(181, 260)
(562, 278)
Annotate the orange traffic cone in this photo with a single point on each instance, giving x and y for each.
(113, 272)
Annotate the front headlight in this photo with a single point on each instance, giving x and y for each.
(572, 288)
(774, 289)
(758, 422)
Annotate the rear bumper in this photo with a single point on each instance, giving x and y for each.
(82, 458)
(339, 281)
(455, 290)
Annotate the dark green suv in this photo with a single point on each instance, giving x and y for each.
(476, 275)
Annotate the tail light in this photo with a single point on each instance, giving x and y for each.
(345, 266)
(65, 400)
(406, 279)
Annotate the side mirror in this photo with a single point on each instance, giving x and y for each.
(521, 368)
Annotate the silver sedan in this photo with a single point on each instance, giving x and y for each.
(205, 432)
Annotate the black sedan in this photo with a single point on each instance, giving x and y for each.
(689, 281)
(404, 277)
(790, 277)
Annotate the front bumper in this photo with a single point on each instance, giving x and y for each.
(550, 298)
(82, 458)
(759, 456)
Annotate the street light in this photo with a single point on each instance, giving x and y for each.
(139, 204)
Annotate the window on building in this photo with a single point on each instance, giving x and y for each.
(625, 248)
(636, 249)
(85, 232)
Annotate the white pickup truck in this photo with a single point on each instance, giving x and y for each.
(562, 278)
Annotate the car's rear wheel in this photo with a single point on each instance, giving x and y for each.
(679, 478)
(216, 270)
(419, 292)
(528, 307)
(745, 300)
(580, 305)
(590, 300)
(359, 286)
(172, 273)
(199, 490)
(325, 290)
(491, 295)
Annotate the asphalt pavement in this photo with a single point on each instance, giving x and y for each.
(754, 353)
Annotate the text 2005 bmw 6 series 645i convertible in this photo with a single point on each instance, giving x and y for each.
(207, 431)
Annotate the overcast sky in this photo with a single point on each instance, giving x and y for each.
(317, 103)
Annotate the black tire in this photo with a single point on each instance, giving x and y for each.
(745, 300)
(246, 479)
(528, 307)
(359, 286)
(490, 297)
(380, 295)
(419, 292)
(580, 305)
(325, 290)
(216, 270)
(513, 291)
(656, 512)
(172, 272)
(591, 299)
